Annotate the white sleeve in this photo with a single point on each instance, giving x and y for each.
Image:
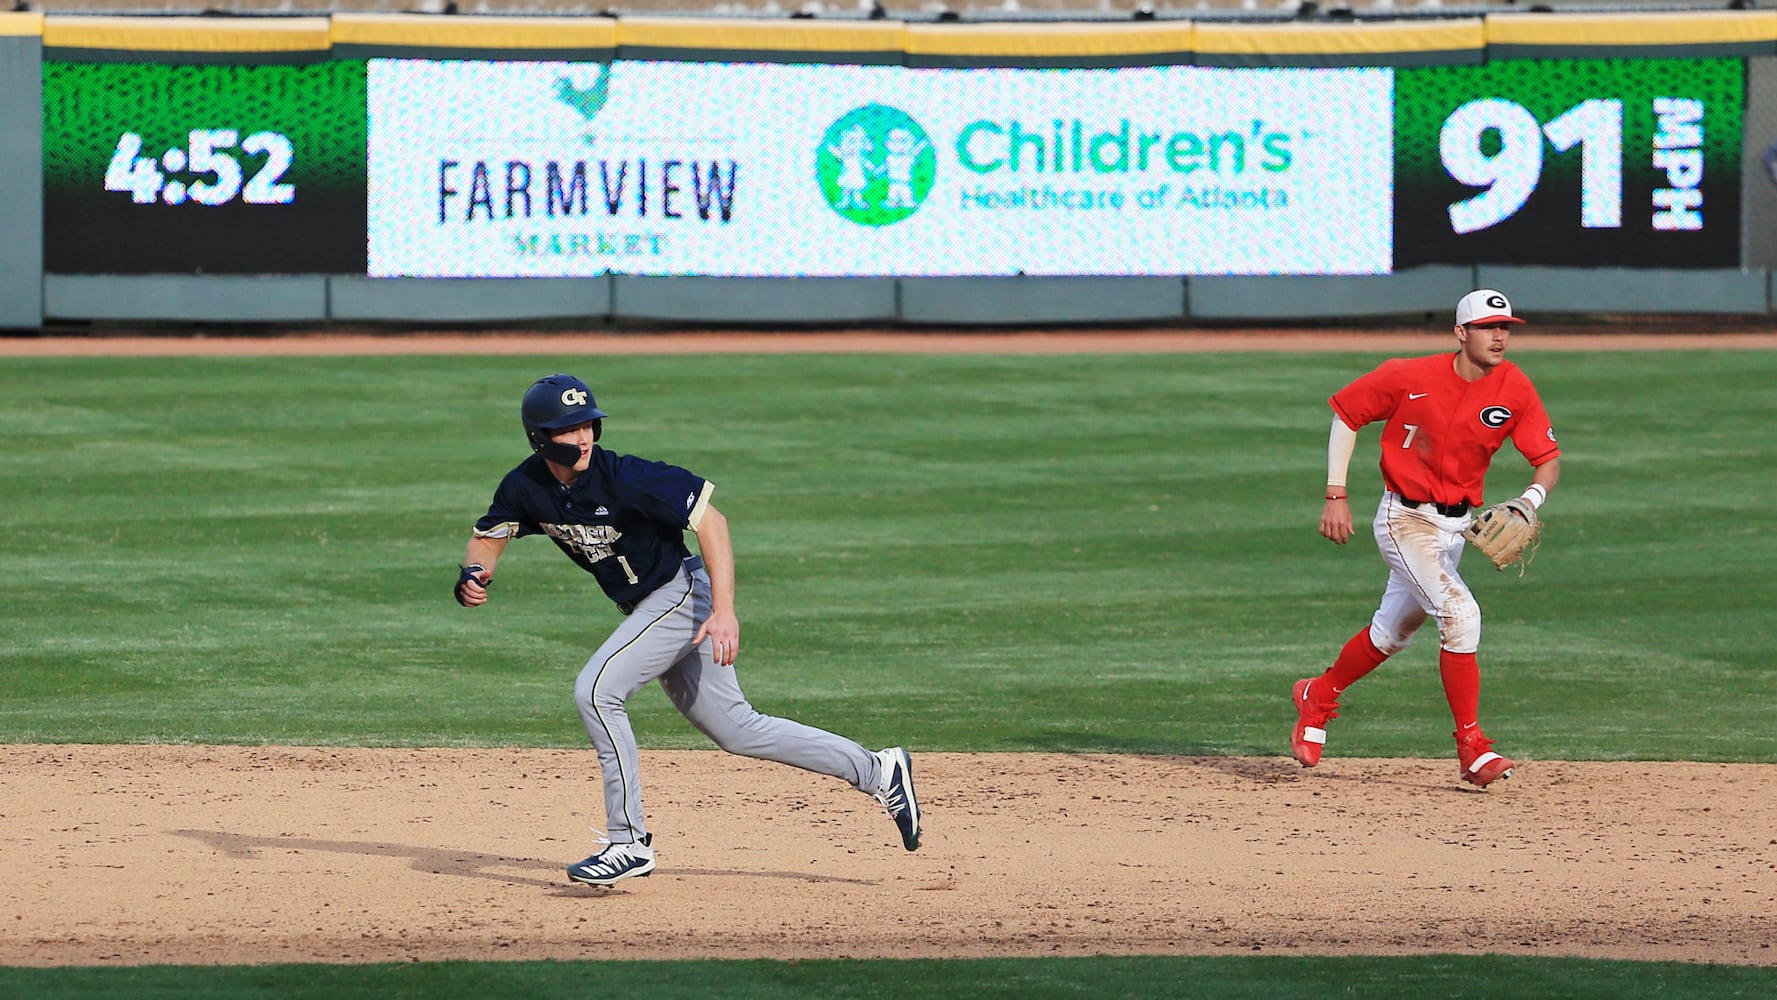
(1341, 442)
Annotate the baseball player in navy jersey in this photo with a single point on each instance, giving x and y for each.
(1444, 416)
(623, 519)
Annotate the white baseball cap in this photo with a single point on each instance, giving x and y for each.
(1484, 305)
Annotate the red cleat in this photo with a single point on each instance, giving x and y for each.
(1480, 765)
(1312, 714)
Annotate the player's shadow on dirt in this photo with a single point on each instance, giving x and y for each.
(1273, 769)
(460, 864)
(1351, 770)
(743, 873)
(440, 861)
(1259, 770)
(1285, 770)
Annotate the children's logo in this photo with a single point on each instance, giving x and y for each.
(876, 165)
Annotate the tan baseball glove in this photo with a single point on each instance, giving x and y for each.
(1506, 533)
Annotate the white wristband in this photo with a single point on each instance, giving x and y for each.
(1535, 494)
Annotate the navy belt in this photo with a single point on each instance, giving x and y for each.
(1446, 509)
(692, 565)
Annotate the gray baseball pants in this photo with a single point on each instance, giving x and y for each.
(654, 641)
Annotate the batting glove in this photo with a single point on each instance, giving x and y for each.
(467, 574)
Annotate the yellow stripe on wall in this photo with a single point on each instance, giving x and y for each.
(1661, 29)
(422, 30)
(779, 36)
(1039, 40)
(187, 34)
(1341, 39)
(21, 24)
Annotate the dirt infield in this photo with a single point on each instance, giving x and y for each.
(127, 855)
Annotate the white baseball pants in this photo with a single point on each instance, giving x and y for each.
(654, 642)
(1421, 548)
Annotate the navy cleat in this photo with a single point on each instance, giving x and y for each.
(895, 791)
(615, 863)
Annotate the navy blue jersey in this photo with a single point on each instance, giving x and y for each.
(623, 520)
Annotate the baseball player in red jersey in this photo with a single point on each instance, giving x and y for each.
(1444, 415)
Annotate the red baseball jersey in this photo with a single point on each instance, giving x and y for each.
(1441, 429)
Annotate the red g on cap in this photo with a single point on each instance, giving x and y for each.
(1484, 305)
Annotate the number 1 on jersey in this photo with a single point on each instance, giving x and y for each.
(628, 573)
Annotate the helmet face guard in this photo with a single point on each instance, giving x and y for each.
(553, 404)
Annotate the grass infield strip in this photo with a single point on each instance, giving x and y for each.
(1202, 978)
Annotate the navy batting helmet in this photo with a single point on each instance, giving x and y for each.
(553, 404)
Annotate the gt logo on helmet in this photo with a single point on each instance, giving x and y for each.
(555, 403)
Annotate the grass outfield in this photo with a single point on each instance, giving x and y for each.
(1082, 553)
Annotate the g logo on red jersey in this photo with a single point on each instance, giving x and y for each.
(1495, 416)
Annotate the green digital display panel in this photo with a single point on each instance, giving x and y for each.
(154, 168)
(1597, 162)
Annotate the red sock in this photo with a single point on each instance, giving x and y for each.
(1462, 688)
(1357, 658)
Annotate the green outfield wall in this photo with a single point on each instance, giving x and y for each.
(21, 157)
